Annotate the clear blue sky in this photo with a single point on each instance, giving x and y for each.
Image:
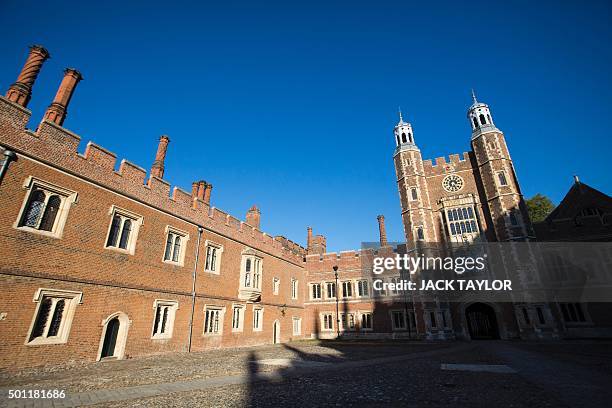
(292, 107)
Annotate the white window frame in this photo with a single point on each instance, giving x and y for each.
(327, 284)
(137, 221)
(294, 288)
(71, 300)
(394, 327)
(347, 326)
(216, 268)
(311, 287)
(221, 314)
(240, 308)
(184, 239)
(360, 320)
(350, 285)
(172, 306)
(361, 283)
(275, 285)
(256, 269)
(257, 310)
(297, 321)
(332, 320)
(67, 197)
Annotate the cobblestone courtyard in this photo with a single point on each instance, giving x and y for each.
(339, 374)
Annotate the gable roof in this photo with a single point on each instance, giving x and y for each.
(580, 196)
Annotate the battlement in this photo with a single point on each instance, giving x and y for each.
(439, 165)
(57, 146)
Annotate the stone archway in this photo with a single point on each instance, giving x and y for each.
(482, 322)
(114, 336)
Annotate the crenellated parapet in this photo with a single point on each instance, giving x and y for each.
(58, 147)
(441, 165)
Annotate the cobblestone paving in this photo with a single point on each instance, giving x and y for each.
(372, 374)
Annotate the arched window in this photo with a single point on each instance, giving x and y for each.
(465, 213)
(56, 320)
(450, 215)
(462, 227)
(489, 117)
(125, 234)
(420, 234)
(168, 247)
(404, 138)
(452, 227)
(51, 210)
(483, 120)
(455, 215)
(475, 122)
(410, 137)
(114, 232)
(397, 139)
(34, 210)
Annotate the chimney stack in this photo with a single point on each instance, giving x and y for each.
(207, 191)
(57, 111)
(253, 217)
(309, 239)
(21, 91)
(157, 170)
(382, 230)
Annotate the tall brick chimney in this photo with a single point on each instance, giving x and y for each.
(207, 192)
(253, 217)
(309, 239)
(157, 170)
(57, 111)
(382, 230)
(21, 91)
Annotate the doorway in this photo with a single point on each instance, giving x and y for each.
(482, 322)
(110, 338)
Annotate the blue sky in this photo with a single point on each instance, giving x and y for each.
(291, 106)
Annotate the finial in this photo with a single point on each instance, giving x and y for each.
(399, 109)
(474, 96)
(576, 179)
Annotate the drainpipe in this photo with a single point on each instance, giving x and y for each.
(9, 156)
(193, 288)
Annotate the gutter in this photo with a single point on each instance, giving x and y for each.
(9, 156)
(193, 289)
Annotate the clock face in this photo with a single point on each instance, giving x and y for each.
(452, 183)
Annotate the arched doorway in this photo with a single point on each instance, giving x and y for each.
(481, 322)
(110, 338)
(114, 336)
(276, 332)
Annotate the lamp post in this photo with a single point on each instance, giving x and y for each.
(337, 306)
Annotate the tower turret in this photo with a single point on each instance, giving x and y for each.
(404, 138)
(480, 117)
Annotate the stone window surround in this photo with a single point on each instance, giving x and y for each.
(72, 298)
(137, 222)
(68, 197)
(261, 318)
(241, 313)
(275, 285)
(299, 325)
(295, 288)
(359, 314)
(393, 326)
(219, 247)
(221, 310)
(322, 321)
(185, 239)
(173, 307)
(347, 327)
(310, 290)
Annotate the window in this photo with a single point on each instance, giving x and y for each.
(502, 178)
(347, 289)
(213, 320)
(512, 218)
(257, 318)
(366, 321)
(315, 291)
(53, 316)
(347, 321)
(526, 316)
(294, 289)
(176, 242)
(572, 312)
(414, 194)
(327, 321)
(420, 234)
(404, 140)
(475, 122)
(250, 276)
(45, 208)
(398, 320)
(331, 289)
(123, 230)
(297, 326)
(362, 288)
(163, 321)
(461, 222)
(396, 282)
(275, 285)
(212, 262)
(483, 120)
(237, 318)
